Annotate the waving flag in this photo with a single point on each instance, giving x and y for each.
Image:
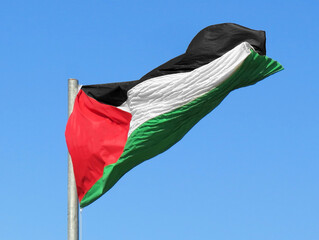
(116, 126)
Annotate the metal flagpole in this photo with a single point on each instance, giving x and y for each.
(73, 205)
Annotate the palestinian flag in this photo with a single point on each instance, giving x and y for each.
(114, 127)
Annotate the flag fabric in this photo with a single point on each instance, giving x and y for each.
(116, 126)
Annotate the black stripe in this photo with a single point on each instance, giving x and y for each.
(110, 93)
(208, 45)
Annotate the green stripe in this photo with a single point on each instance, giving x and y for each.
(160, 133)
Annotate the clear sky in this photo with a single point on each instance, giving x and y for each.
(247, 171)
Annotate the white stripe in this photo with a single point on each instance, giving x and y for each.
(163, 94)
(124, 107)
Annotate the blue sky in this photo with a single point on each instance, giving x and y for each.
(248, 170)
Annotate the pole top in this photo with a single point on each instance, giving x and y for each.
(74, 79)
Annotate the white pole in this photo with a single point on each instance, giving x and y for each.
(73, 205)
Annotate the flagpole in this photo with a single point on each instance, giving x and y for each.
(73, 205)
